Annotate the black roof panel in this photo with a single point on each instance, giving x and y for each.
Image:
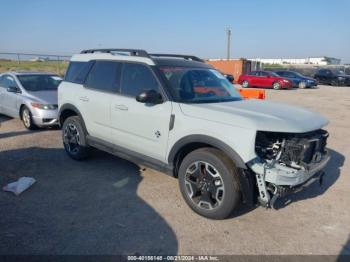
(180, 63)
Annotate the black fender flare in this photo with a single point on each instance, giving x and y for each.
(214, 142)
(71, 108)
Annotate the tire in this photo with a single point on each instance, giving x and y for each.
(335, 83)
(302, 85)
(27, 119)
(245, 84)
(74, 138)
(209, 183)
(276, 86)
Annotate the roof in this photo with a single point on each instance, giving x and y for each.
(180, 62)
(138, 55)
(29, 73)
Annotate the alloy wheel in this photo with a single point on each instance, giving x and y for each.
(26, 118)
(71, 138)
(204, 185)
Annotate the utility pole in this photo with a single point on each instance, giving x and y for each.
(228, 33)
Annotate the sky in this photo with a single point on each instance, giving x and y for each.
(264, 29)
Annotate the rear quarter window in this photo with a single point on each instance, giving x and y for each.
(77, 72)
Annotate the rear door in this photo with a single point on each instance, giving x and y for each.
(94, 101)
(140, 127)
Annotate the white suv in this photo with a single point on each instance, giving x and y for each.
(179, 115)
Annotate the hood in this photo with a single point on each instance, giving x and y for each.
(45, 97)
(309, 78)
(258, 115)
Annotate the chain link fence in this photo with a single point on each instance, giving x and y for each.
(33, 62)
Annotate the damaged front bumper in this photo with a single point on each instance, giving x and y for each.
(275, 180)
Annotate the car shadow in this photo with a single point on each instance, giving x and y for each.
(86, 207)
(344, 254)
(4, 118)
(332, 173)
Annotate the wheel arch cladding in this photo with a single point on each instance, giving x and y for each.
(189, 143)
(68, 110)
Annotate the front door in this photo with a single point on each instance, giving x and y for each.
(140, 127)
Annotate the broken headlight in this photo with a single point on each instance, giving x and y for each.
(291, 149)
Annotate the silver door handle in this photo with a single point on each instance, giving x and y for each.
(121, 107)
(84, 98)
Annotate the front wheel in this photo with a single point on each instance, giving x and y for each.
(27, 119)
(209, 184)
(276, 86)
(302, 85)
(74, 138)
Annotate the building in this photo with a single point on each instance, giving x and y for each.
(324, 60)
(235, 67)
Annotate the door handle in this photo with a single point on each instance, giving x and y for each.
(121, 107)
(84, 98)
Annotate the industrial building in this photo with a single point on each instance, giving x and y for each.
(324, 60)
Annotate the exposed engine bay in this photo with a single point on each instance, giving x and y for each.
(287, 162)
(293, 150)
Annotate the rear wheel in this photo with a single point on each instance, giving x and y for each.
(74, 138)
(209, 184)
(276, 86)
(245, 84)
(27, 119)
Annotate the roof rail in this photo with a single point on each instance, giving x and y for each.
(133, 52)
(186, 57)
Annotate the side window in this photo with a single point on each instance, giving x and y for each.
(263, 74)
(77, 72)
(322, 72)
(136, 78)
(253, 73)
(7, 81)
(281, 73)
(289, 74)
(104, 76)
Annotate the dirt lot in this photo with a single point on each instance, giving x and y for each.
(106, 205)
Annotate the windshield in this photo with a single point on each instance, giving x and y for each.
(199, 85)
(39, 82)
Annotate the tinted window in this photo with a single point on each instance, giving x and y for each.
(39, 82)
(7, 81)
(262, 74)
(136, 78)
(104, 75)
(199, 85)
(77, 71)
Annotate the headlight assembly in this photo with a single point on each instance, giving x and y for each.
(44, 106)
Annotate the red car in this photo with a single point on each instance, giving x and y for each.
(265, 79)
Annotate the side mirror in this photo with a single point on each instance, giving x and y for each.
(149, 97)
(13, 89)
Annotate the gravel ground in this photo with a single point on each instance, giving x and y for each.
(107, 205)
